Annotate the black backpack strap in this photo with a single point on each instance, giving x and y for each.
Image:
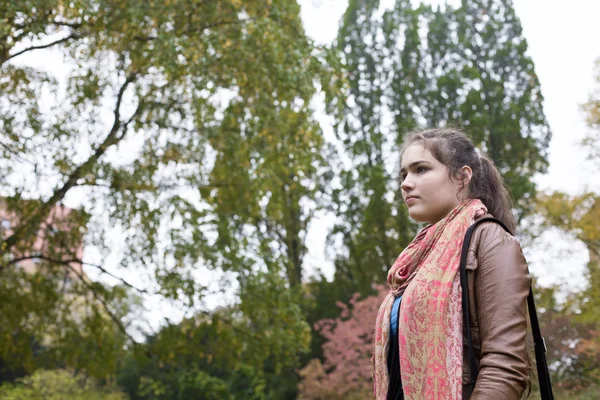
(539, 344)
(540, 351)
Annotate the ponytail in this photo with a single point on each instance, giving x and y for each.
(489, 187)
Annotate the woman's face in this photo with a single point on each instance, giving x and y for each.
(427, 189)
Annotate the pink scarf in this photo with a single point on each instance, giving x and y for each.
(430, 323)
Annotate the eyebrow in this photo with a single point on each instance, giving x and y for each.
(414, 164)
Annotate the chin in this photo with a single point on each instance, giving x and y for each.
(420, 216)
(417, 216)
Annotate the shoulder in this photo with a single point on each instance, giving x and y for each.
(491, 237)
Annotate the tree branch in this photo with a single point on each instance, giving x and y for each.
(32, 223)
(81, 262)
(102, 301)
(44, 46)
(198, 30)
(72, 25)
(231, 323)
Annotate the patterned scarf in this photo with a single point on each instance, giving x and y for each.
(430, 324)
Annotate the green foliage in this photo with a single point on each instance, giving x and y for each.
(586, 394)
(184, 125)
(168, 67)
(323, 302)
(473, 71)
(217, 356)
(373, 227)
(57, 385)
(62, 324)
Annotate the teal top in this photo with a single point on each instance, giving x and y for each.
(395, 314)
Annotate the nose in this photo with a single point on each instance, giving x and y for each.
(407, 184)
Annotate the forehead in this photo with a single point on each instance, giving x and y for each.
(414, 153)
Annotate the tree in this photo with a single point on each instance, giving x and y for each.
(411, 67)
(371, 227)
(572, 326)
(50, 321)
(346, 370)
(470, 69)
(218, 356)
(139, 126)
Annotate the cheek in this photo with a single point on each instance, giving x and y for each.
(431, 183)
(437, 189)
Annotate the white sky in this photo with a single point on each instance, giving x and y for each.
(564, 42)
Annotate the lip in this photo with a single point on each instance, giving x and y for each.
(410, 199)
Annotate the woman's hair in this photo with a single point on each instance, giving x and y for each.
(454, 149)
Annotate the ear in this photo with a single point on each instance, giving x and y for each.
(466, 174)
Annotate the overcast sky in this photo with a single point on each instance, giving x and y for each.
(564, 42)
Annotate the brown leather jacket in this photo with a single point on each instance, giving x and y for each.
(499, 283)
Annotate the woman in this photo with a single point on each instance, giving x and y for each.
(419, 347)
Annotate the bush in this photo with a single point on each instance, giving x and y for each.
(57, 385)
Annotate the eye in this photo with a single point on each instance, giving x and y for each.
(420, 170)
